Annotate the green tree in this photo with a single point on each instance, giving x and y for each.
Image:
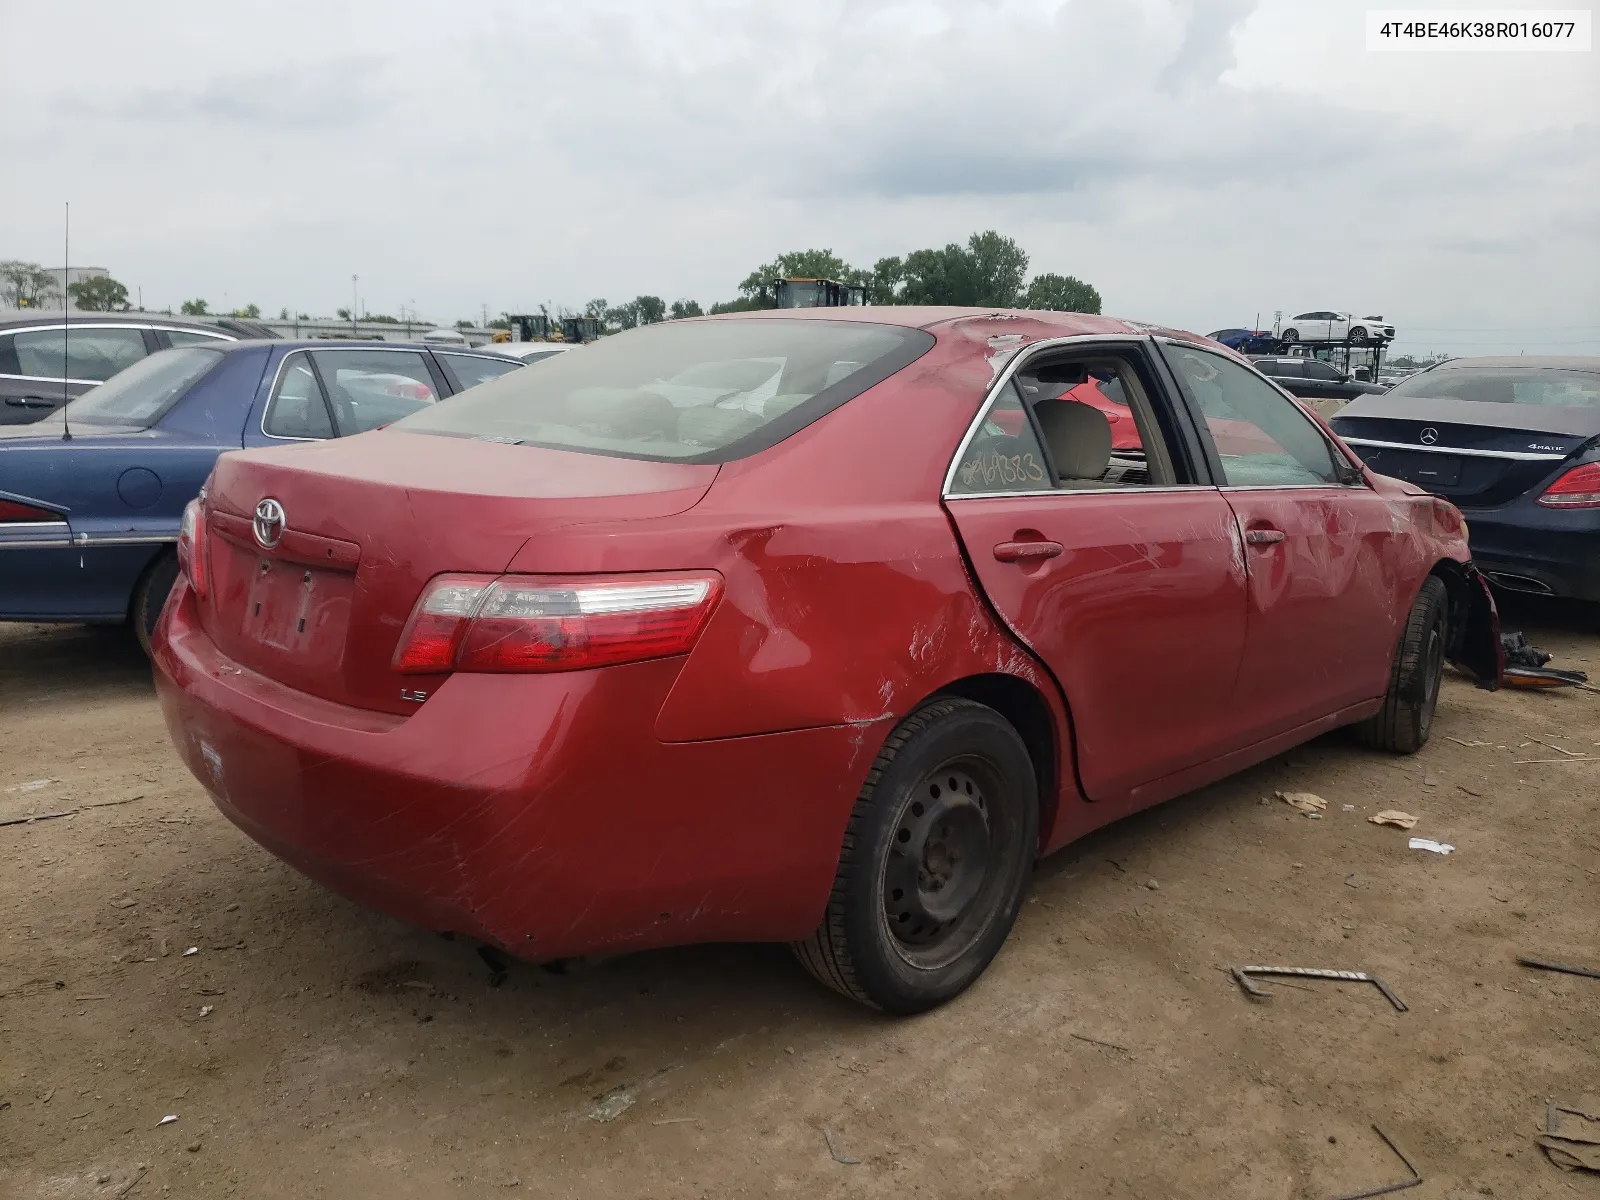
(463, 324)
(250, 311)
(195, 308)
(26, 284)
(686, 308)
(742, 304)
(650, 309)
(595, 308)
(99, 293)
(887, 276)
(623, 316)
(342, 313)
(987, 271)
(1061, 293)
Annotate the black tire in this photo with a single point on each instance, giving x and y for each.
(1358, 335)
(953, 783)
(1403, 723)
(1289, 335)
(150, 594)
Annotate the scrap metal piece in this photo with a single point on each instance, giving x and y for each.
(1545, 964)
(1416, 1175)
(1243, 974)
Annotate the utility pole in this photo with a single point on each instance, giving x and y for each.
(485, 324)
(354, 279)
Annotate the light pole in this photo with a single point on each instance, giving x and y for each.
(354, 279)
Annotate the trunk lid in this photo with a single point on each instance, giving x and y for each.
(1474, 454)
(367, 521)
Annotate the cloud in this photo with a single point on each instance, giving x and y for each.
(1197, 160)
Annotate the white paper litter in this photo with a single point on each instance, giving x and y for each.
(168, 1119)
(207, 1009)
(1430, 844)
(191, 950)
(33, 785)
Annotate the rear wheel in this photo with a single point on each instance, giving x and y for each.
(150, 594)
(935, 862)
(1289, 335)
(1403, 723)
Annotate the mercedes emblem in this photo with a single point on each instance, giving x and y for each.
(1428, 437)
(269, 523)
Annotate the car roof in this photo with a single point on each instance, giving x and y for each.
(361, 344)
(931, 316)
(1563, 362)
(48, 317)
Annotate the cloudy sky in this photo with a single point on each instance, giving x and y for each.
(1199, 161)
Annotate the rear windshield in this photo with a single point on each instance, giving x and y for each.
(1549, 387)
(681, 391)
(137, 397)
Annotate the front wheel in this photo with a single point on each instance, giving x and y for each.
(935, 861)
(1289, 335)
(1358, 335)
(1403, 723)
(150, 594)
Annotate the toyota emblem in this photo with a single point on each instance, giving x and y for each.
(1428, 437)
(269, 523)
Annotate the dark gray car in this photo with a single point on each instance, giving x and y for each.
(46, 360)
(1313, 379)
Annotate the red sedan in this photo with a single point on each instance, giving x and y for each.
(828, 652)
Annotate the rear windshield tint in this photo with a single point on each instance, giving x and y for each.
(687, 391)
(1549, 387)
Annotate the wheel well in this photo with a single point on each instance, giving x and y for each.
(145, 572)
(1020, 703)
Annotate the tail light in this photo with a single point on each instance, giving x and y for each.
(534, 623)
(192, 546)
(1578, 488)
(13, 511)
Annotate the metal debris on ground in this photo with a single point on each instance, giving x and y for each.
(134, 1182)
(1097, 1042)
(1393, 816)
(1243, 974)
(1430, 845)
(1307, 802)
(839, 1156)
(612, 1105)
(1571, 1137)
(67, 812)
(1545, 964)
(1416, 1175)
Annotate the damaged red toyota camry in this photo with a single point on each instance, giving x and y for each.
(807, 626)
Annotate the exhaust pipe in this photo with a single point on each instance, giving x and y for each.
(1520, 583)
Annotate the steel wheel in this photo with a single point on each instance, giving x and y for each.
(935, 861)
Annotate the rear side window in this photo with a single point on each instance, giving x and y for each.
(1507, 385)
(191, 337)
(469, 370)
(1262, 438)
(1322, 371)
(90, 355)
(686, 391)
(1280, 368)
(297, 409)
(369, 388)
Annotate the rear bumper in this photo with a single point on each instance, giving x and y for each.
(535, 812)
(1526, 547)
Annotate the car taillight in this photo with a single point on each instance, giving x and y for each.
(192, 546)
(1578, 488)
(12, 511)
(544, 623)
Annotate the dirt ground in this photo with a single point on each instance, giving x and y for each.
(309, 1048)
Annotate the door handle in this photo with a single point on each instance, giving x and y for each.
(1026, 551)
(1263, 537)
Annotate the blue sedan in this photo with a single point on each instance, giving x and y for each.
(91, 497)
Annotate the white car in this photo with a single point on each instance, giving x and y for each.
(531, 351)
(1326, 326)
